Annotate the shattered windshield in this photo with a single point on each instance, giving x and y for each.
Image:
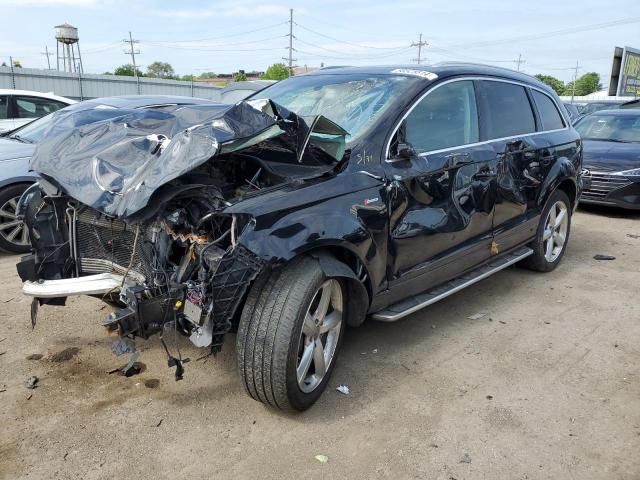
(354, 102)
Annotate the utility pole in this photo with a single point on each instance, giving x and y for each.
(290, 59)
(133, 54)
(519, 61)
(420, 44)
(575, 79)
(46, 52)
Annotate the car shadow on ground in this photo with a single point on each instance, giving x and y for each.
(611, 212)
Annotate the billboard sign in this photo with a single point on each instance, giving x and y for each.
(629, 79)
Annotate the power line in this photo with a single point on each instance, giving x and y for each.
(229, 34)
(213, 46)
(343, 41)
(519, 61)
(133, 54)
(553, 33)
(291, 37)
(46, 52)
(420, 44)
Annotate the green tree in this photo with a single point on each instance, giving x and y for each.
(160, 70)
(207, 75)
(277, 71)
(240, 76)
(187, 78)
(588, 83)
(553, 82)
(126, 70)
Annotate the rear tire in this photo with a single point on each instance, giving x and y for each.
(290, 333)
(14, 237)
(552, 235)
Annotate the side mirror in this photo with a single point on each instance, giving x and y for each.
(406, 151)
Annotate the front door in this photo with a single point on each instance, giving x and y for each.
(442, 190)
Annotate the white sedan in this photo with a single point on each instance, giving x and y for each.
(18, 107)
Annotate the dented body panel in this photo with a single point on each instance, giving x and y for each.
(190, 206)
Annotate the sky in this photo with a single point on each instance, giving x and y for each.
(550, 36)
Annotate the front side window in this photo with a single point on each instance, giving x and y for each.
(549, 114)
(447, 117)
(507, 110)
(34, 107)
(4, 107)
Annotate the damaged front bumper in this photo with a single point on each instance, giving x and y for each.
(100, 283)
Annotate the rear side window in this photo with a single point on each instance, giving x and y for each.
(507, 110)
(549, 114)
(34, 107)
(4, 104)
(446, 117)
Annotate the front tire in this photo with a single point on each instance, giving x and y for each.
(14, 236)
(289, 335)
(552, 235)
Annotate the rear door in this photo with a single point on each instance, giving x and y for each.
(442, 196)
(509, 125)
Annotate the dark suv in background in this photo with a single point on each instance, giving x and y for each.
(322, 200)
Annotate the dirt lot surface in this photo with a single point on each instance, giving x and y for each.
(545, 385)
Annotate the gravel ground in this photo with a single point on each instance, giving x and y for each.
(545, 385)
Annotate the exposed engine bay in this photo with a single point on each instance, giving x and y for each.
(136, 217)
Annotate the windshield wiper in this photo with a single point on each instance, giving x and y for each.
(20, 139)
(615, 140)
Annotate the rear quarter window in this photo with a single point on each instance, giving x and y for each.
(506, 110)
(4, 107)
(549, 114)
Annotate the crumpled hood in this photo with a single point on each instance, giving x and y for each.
(114, 160)
(610, 156)
(13, 149)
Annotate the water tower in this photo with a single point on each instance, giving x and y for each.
(68, 48)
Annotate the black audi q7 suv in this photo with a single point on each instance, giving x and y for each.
(323, 200)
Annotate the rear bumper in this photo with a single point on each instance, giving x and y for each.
(89, 285)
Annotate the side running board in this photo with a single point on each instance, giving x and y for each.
(408, 306)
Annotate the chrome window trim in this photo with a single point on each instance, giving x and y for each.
(388, 159)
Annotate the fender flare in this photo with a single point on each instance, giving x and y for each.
(357, 301)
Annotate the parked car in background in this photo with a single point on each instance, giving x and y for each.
(322, 199)
(573, 112)
(590, 107)
(17, 146)
(19, 107)
(611, 143)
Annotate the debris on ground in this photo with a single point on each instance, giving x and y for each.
(29, 396)
(7, 301)
(34, 356)
(2, 353)
(31, 383)
(502, 322)
(152, 383)
(159, 422)
(3, 389)
(465, 458)
(64, 355)
(343, 389)
(489, 397)
(3, 339)
(476, 316)
(322, 458)
(603, 257)
(375, 350)
(631, 235)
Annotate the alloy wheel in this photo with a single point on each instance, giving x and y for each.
(11, 229)
(555, 231)
(320, 334)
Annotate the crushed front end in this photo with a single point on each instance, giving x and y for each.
(132, 210)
